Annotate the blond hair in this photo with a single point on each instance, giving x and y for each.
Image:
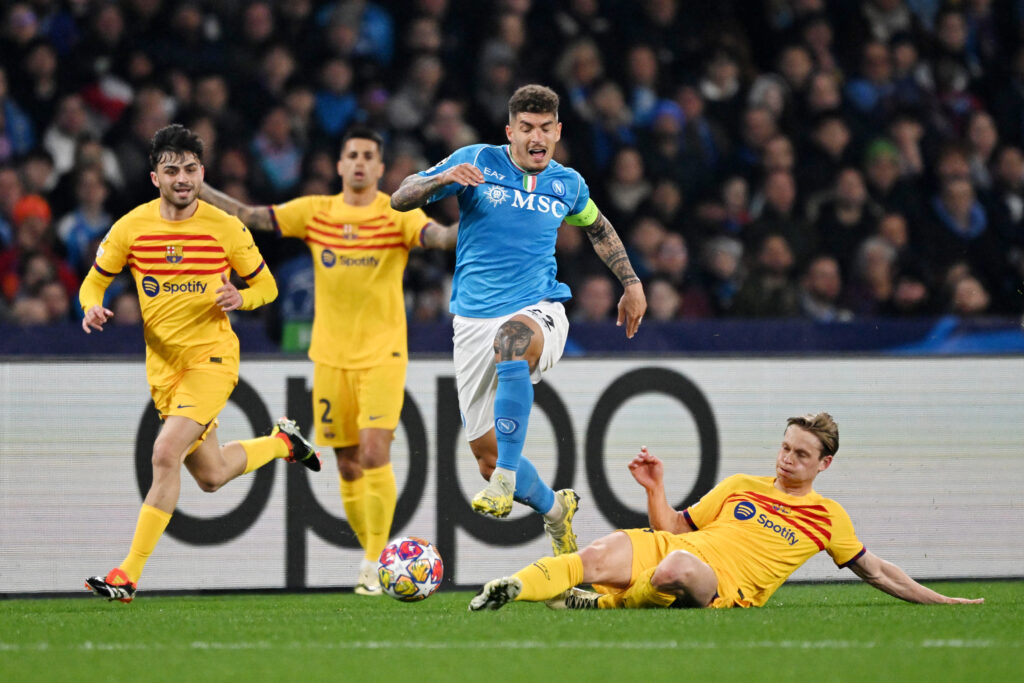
(822, 426)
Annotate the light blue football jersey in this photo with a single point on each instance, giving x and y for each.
(505, 256)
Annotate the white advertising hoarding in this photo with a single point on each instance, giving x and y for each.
(930, 466)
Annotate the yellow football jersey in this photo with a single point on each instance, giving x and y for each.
(759, 535)
(177, 267)
(359, 257)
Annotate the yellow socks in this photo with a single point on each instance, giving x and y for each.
(381, 497)
(261, 450)
(148, 530)
(549, 576)
(370, 507)
(353, 498)
(641, 594)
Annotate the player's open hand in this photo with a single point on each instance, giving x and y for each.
(464, 174)
(632, 307)
(228, 296)
(964, 601)
(95, 317)
(648, 470)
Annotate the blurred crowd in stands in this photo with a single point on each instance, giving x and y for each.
(772, 158)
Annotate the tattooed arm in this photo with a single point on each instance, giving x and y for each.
(609, 247)
(254, 217)
(416, 190)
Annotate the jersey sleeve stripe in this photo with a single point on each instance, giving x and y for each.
(273, 220)
(101, 271)
(689, 519)
(254, 273)
(854, 558)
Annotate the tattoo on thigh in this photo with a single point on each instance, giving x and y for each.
(513, 339)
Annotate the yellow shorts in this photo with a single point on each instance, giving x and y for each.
(651, 547)
(199, 392)
(346, 401)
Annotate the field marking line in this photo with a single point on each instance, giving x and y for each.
(88, 646)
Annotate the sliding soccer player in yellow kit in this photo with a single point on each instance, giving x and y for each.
(733, 548)
(360, 247)
(181, 251)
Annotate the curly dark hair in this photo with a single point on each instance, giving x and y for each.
(175, 140)
(533, 99)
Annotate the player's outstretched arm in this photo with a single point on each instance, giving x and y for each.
(649, 472)
(254, 217)
(416, 190)
(437, 236)
(609, 247)
(887, 577)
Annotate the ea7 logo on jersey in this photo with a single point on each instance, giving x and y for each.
(494, 174)
(541, 203)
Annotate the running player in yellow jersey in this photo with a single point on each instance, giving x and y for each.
(180, 251)
(733, 548)
(360, 247)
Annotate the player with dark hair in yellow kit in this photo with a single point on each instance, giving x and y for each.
(360, 247)
(180, 251)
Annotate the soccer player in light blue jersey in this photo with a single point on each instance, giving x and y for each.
(510, 325)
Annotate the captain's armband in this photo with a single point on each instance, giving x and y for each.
(585, 217)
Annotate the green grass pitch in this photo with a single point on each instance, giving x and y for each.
(847, 632)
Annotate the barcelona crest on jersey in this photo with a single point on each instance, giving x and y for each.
(175, 253)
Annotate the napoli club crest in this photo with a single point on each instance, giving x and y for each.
(175, 253)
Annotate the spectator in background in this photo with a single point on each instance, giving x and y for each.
(408, 109)
(847, 219)
(1007, 193)
(81, 230)
(336, 105)
(721, 87)
(907, 132)
(663, 300)
(17, 131)
(969, 297)
(823, 95)
(642, 83)
(44, 82)
(871, 94)
(277, 155)
(595, 300)
(828, 151)
(873, 278)
(672, 265)
(580, 70)
(722, 272)
(780, 214)
(32, 260)
(627, 188)
(795, 65)
(644, 237)
(821, 289)
(885, 186)
(70, 123)
(982, 140)
(769, 291)
(958, 230)
(447, 130)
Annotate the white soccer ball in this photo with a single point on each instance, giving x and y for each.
(410, 569)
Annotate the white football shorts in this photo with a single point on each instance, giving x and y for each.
(475, 373)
